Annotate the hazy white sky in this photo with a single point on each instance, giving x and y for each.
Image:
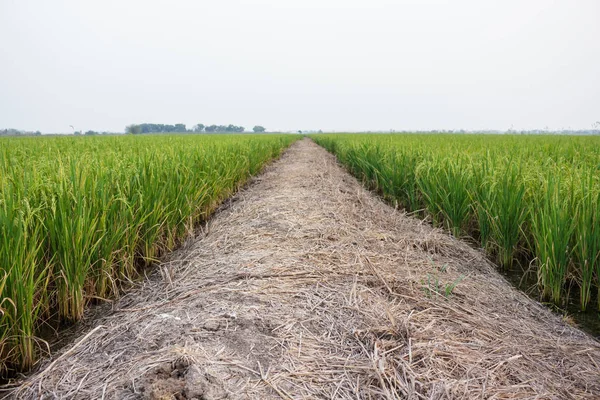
(300, 64)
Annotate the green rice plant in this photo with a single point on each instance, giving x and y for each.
(507, 207)
(110, 235)
(151, 196)
(399, 179)
(364, 161)
(433, 196)
(552, 225)
(455, 183)
(446, 189)
(72, 225)
(586, 248)
(22, 279)
(483, 198)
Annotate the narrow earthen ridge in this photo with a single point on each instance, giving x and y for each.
(308, 286)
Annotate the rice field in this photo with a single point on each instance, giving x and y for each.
(528, 200)
(80, 217)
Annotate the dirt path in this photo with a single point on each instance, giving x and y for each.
(307, 286)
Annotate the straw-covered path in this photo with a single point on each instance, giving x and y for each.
(304, 285)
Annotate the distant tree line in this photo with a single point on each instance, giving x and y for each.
(158, 128)
(181, 128)
(18, 132)
(219, 128)
(199, 128)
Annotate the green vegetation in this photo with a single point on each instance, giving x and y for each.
(81, 216)
(523, 198)
(435, 287)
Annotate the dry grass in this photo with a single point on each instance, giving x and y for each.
(307, 286)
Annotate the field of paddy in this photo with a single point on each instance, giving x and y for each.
(306, 285)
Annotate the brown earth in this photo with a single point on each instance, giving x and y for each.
(304, 285)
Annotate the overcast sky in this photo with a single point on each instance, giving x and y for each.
(300, 64)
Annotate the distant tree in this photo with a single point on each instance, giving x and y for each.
(11, 132)
(162, 128)
(300, 132)
(77, 133)
(234, 128)
(38, 133)
(152, 128)
(133, 129)
(320, 131)
(218, 128)
(259, 129)
(90, 133)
